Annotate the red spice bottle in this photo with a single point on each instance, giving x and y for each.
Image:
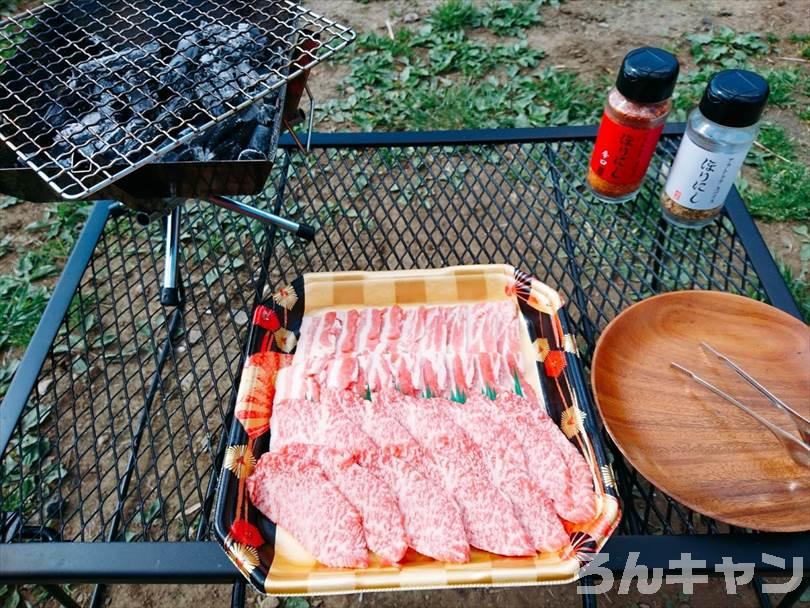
(634, 117)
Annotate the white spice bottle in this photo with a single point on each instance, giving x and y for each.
(719, 133)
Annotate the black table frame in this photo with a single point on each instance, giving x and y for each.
(203, 562)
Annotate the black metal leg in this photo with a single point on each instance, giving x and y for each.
(238, 594)
(791, 597)
(763, 598)
(589, 599)
(174, 322)
(57, 593)
(169, 293)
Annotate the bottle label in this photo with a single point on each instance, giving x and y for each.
(622, 154)
(700, 179)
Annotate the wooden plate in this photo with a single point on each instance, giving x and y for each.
(691, 444)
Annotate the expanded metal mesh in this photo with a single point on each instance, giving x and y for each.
(92, 90)
(132, 415)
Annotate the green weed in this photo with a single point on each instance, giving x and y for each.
(400, 45)
(454, 15)
(773, 141)
(7, 370)
(785, 84)
(786, 192)
(501, 17)
(786, 183)
(22, 297)
(21, 307)
(726, 48)
(804, 41)
(439, 78)
(510, 18)
(799, 287)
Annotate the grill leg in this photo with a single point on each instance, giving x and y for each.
(589, 600)
(170, 293)
(57, 593)
(238, 595)
(764, 600)
(301, 230)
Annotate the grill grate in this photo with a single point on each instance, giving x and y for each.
(377, 208)
(92, 90)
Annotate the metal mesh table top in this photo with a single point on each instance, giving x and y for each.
(127, 412)
(91, 91)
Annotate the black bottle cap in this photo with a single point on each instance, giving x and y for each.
(648, 75)
(735, 98)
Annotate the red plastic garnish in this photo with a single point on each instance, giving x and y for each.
(265, 318)
(246, 533)
(554, 363)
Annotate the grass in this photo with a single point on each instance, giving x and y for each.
(23, 295)
(501, 17)
(28, 466)
(804, 41)
(799, 286)
(439, 77)
(454, 15)
(785, 187)
(726, 48)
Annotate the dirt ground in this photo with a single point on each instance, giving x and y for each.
(589, 36)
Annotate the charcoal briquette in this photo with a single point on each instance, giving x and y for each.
(127, 98)
(261, 138)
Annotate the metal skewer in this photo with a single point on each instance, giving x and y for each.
(798, 450)
(802, 423)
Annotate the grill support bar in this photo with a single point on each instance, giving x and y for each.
(170, 293)
(301, 230)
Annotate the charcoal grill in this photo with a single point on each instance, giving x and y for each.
(150, 103)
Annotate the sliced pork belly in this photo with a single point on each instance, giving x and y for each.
(306, 335)
(370, 330)
(457, 328)
(297, 495)
(347, 340)
(434, 377)
(329, 329)
(414, 327)
(489, 517)
(392, 326)
(342, 374)
(457, 372)
(504, 456)
(383, 523)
